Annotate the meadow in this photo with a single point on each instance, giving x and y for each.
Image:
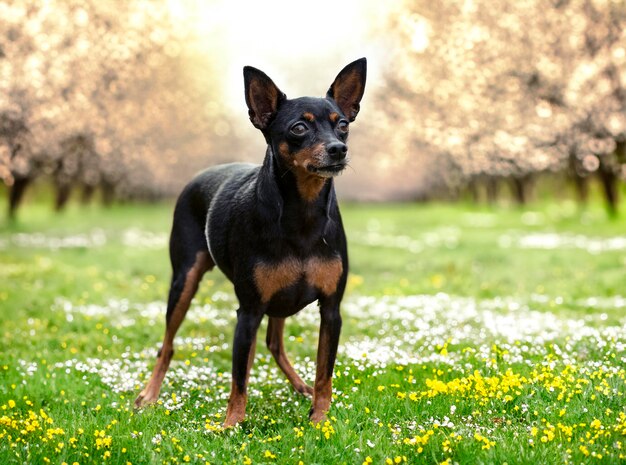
(470, 336)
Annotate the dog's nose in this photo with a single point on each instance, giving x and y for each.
(337, 150)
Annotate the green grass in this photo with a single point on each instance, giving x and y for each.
(470, 336)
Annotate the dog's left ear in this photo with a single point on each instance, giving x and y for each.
(348, 87)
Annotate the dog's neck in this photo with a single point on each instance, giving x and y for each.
(276, 190)
(287, 184)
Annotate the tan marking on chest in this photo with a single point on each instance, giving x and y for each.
(324, 273)
(272, 278)
(321, 273)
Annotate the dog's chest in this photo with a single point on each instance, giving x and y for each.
(320, 273)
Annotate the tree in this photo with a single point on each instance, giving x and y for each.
(15, 160)
(508, 89)
(107, 96)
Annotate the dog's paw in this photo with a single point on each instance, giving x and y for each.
(305, 390)
(233, 419)
(236, 410)
(317, 416)
(145, 398)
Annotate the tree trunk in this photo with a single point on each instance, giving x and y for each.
(521, 186)
(609, 179)
(87, 194)
(108, 193)
(577, 173)
(62, 196)
(492, 190)
(620, 152)
(472, 187)
(582, 188)
(16, 194)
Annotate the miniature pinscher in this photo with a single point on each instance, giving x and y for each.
(274, 230)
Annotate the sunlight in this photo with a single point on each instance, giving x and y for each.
(279, 37)
(420, 32)
(251, 28)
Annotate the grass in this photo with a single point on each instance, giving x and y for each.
(470, 336)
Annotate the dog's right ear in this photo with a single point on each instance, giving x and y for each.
(263, 97)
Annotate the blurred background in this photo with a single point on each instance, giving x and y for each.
(486, 101)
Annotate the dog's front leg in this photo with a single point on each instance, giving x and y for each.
(330, 328)
(243, 353)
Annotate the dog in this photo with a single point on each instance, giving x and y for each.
(274, 230)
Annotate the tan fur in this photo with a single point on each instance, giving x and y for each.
(324, 274)
(151, 392)
(347, 91)
(275, 344)
(270, 279)
(323, 389)
(322, 397)
(321, 273)
(236, 410)
(283, 150)
(260, 116)
(308, 116)
(333, 117)
(309, 184)
(270, 94)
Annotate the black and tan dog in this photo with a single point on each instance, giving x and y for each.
(274, 230)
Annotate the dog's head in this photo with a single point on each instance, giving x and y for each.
(307, 135)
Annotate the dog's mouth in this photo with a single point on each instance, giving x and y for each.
(327, 170)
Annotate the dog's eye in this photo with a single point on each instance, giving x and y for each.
(343, 125)
(299, 129)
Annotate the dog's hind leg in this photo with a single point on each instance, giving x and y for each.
(190, 260)
(275, 344)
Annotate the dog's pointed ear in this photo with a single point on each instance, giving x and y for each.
(263, 97)
(348, 87)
